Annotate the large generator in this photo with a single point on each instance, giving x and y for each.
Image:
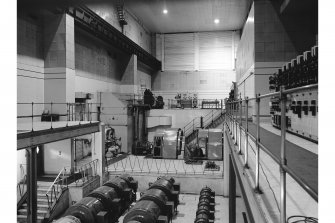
(209, 145)
(167, 143)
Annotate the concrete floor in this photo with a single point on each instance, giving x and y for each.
(308, 145)
(189, 203)
(298, 201)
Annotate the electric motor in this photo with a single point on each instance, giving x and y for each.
(68, 219)
(144, 211)
(86, 209)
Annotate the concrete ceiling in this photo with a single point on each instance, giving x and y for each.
(189, 15)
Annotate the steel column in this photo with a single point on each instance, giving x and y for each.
(236, 123)
(283, 158)
(31, 157)
(232, 192)
(246, 144)
(257, 145)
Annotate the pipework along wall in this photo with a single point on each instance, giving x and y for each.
(30, 64)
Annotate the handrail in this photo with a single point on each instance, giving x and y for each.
(53, 188)
(87, 113)
(234, 110)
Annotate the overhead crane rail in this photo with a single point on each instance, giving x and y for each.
(93, 23)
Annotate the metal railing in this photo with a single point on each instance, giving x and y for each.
(139, 164)
(194, 103)
(56, 187)
(67, 112)
(201, 122)
(86, 172)
(234, 119)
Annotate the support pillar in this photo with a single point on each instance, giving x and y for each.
(59, 63)
(232, 192)
(31, 185)
(99, 152)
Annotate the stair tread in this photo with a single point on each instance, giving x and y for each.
(38, 205)
(38, 211)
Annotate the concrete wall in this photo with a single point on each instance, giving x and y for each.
(208, 84)
(134, 30)
(56, 156)
(30, 64)
(245, 56)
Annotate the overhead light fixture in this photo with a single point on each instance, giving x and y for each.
(216, 21)
(165, 11)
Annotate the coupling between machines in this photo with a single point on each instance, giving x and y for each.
(206, 206)
(158, 204)
(105, 204)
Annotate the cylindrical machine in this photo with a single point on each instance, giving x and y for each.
(68, 219)
(111, 199)
(86, 209)
(206, 209)
(144, 211)
(155, 195)
(157, 204)
(167, 186)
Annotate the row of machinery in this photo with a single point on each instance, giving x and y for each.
(186, 100)
(157, 205)
(206, 206)
(209, 146)
(167, 143)
(152, 101)
(302, 106)
(105, 204)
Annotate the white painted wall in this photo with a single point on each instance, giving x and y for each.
(57, 155)
(20, 159)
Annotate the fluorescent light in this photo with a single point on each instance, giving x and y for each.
(165, 11)
(216, 21)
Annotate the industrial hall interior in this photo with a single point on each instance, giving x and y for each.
(160, 111)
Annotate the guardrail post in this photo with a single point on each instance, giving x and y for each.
(233, 121)
(257, 189)
(193, 124)
(212, 116)
(240, 136)
(51, 114)
(32, 116)
(236, 123)
(201, 122)
(246, 135)
(283, 160)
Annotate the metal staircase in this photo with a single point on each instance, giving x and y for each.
(120, 13)
(42, 204)
(211, 120)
